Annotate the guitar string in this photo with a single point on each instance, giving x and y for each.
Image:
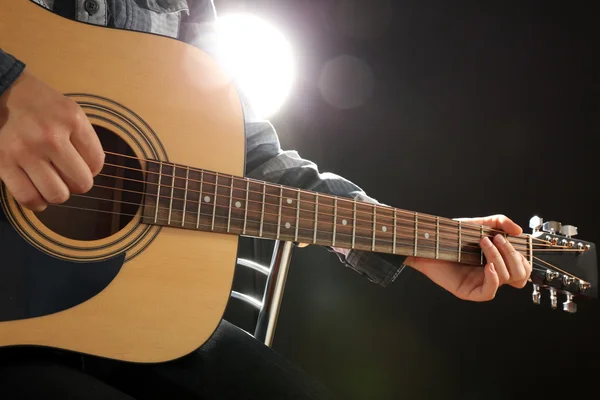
(467, 231)
(178, 222)
(464, 228)
(446, 233)
(380, 240)
(555, 267)
(275, 186)
(450, 243)
(222, 227)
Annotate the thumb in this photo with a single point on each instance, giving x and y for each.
(491, 281)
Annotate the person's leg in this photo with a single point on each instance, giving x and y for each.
(30, 373)
(231, 365)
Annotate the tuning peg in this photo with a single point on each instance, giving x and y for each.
(568, 280)
(568, 230)
(551, 226)
(569, 305)
(553, 299)
(536, 296)
(535, 223)
(583, 285)
(551, 275)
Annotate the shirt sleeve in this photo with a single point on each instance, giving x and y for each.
(10, 69)
(265, 160)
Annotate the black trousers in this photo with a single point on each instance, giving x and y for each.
(231, 365)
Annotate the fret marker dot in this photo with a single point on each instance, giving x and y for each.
(426, 235)
(289, 201)
(207, 199)
(344, 222)
(384, 228)
(287, 225)
(238, 204)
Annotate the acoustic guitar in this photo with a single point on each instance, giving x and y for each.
(140, 268)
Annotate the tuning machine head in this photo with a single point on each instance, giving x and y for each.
(536, 296)
(553, 297)
(535, 223)
(568, 230)
(569, 305)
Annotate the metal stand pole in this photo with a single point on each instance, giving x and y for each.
(271, 304)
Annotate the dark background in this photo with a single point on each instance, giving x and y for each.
(472, 108)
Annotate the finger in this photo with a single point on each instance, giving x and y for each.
(492, 255)
(513, 261)
(47, 181)
(86, 142)
(73, 170)
(23, 190)
(527, 268)
(491, 282)
(506, 224)
(497, 221)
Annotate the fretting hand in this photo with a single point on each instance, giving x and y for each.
(505, 266)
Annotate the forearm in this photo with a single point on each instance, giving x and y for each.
(10, 69)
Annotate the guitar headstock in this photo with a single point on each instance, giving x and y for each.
(562, 264)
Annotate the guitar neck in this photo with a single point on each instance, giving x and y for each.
(190, 198)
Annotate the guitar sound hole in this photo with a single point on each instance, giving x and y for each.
(110, 205)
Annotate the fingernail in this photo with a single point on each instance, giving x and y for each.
(487, 242)
(500, 239)
(492, 267)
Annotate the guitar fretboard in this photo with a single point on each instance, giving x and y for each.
(184, 197)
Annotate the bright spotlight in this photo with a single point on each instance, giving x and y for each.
(259, 58)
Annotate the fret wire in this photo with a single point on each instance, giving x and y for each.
(221, 227)
(316, 217)
(336, 232)
(202, 171)
(215, 201)
(416, 233)
(230, 202)
(530, 241)
(262, 215)
(297, 216)
(459, 240)
(200, 199)
(171, 200)
(374, 228)
(246, 209)
(506, 235)
(319, 240)
(394, 241)
(437, 238)
(334, 221)
(279, 216)
(187, 175)
(221, 185)
(354, 224)
(158, 192)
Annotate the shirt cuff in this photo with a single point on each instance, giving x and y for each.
(10, 70)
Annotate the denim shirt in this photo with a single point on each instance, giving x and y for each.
(192, 21)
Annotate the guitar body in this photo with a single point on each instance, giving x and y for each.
(107, 285)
